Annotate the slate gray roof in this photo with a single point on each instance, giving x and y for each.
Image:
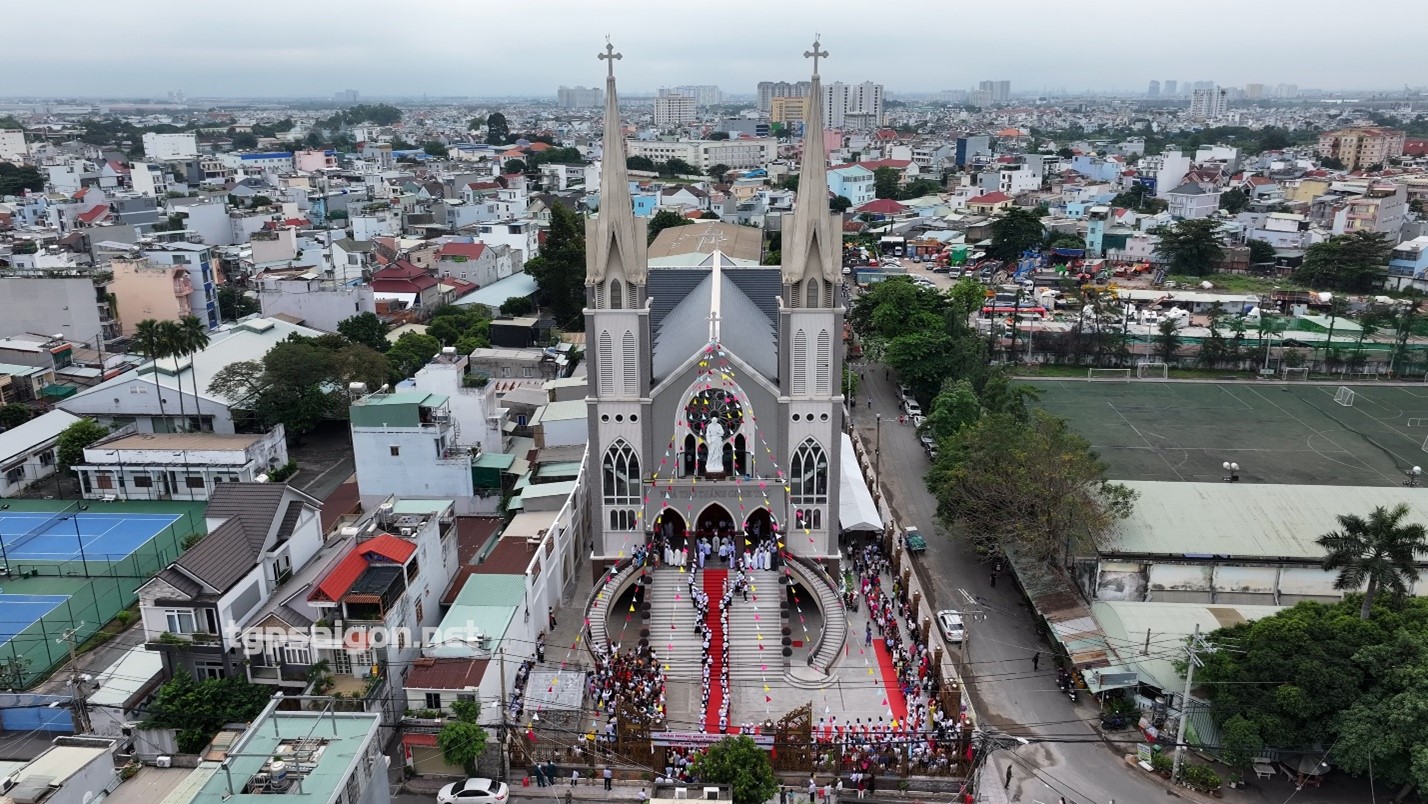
(181, 582)
(290, 519)
(221, 557)
(1188, 188)
(248, 510)
(680, 321)
(254, 504)
(293, 617)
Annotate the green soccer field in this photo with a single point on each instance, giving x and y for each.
(1276, 432)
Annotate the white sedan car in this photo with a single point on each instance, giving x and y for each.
(950, 622)
(473, 791)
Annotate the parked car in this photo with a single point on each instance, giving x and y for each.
(914, 541)
(904, 392)
(918, 419)
(929, 444)
(911, 408)
(949, 621)
(473, 791)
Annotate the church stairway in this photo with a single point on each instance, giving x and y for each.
(713, 582)
(671, 624)
(752, 658)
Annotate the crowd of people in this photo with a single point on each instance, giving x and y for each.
(517, 702)
(700, 601)
(634, 677)
(678, 763)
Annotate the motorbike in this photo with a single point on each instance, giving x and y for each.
(1114, 722)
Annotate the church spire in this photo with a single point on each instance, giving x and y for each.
(811, 243)
(613, 244)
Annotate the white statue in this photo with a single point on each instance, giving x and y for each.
(714, 440)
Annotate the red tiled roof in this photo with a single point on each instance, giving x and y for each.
(93, 215)
(446, 674)
(484, 185)
(884, 206)
(401, 269)
(996, 197)
(471, 251)
(404, 285)
(349, 569)
(1260, 181)
(886, 134)
(538, 147)
(1009, 132)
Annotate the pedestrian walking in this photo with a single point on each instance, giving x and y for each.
(812, 790)
(1007, 783)
(868, 635)
(552, 618)
(575, 777)
(1036, 661)
(609, 777)
(644, 797)
(994, 577)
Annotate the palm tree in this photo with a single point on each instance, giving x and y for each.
(149, 337)
(193, 337)
(1338, 307)
(170, 336)
(1381, 550)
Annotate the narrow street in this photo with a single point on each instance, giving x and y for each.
(1006, 692)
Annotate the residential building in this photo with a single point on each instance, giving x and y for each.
(989, 203)
(972, 150)
(1254, 91)
(1171, 88)
(404, 444)
(1190, 200)
(27, 452)
(999, 91)
(1208, 103)
(73, 306)
(149, 289)
(12, 145)
(1409, 258)
(703, 94)
(704, 154)
(314, 160)
(159, 396)
(180, 145)
(176, 466)
(738, 127)
(579, 97)
(317, 303)
(479, 263)
(402, 282)
(1168, 168)
(475, 408)
(123, 691)
(853, 182)
(853, 106)
(1153, 89)
(675, 110)
(788, 111)
(194, 610)
(78, 772)
(326, 756)
(522, 237)
(259, 163)
(1362, 146)
(1382, 208)
(768, 90)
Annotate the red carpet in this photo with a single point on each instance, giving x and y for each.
(714, 588)
(897, 702)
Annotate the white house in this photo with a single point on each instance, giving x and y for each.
(27, 452)
(1190, 200)
(177, 466)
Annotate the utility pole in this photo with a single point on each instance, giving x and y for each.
(505, 754)
(1192, 651)
(77, 692)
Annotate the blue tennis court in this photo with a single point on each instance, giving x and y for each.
(35, 536)
(18, 612)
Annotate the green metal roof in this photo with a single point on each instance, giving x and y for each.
(492, 590)
(558, 469)
(494, 460)
(421, 506)
(344, 735)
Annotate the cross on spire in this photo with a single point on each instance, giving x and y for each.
(609, 56)
(815, 53)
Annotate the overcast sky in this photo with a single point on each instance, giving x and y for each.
(483, 48)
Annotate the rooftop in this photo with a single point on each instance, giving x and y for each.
(344, 737)
(703, 237)
(194, 441)
(1126, 625)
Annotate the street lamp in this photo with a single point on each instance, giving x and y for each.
(1413, 475)
(878, 452)
(1232, 471)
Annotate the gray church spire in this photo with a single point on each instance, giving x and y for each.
(614, 240)
(812, 244)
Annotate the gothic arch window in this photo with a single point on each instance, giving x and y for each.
(632, 364)
(622, 519)
(621, 474)
(813, 293)
(605, 346)
(617, 295)
(741, 455)
(809, 474)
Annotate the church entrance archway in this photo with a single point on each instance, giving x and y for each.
(760, 524)
(670, 529)
(714, 520)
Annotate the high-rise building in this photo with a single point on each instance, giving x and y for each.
(1203, 85)
(855, 106)
(345, 96)
(703, 94)
(1287, 91)
(1254, 91)
(1000, 90)
(1208, 103)
(1153, 91)
(1170, 88)
(788, 110)
(1362, 146)
(675, 110)
(980, 98)
(950, 96)
(768, 90)
(580, 97)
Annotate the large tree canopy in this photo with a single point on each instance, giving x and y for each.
(1014, 232)
(559, 271)
(1190, 247)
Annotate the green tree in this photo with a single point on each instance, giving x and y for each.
(886, 182)
(643, 163)
(498, 131)
(666, 219)
(189, 338)
(1261, 252)
(840, 203)
(15, 180)
(1234, 201)
(719, 135)
(1066, 153)
(1168, 341)
(740, 763)
(74, 438)
(462, 740)
(1354, 262)
(677, 167)
(559, 270)
(1015, 231)
(149, 340)
(514, 166)
(1033, 487)
(1338, 308)
(171, 345)
(789, 183)
(1190, 247)
(244, 141)
(234, 304)
(1240, 742)
(366, 329)
(412, 351)
(518, 306)
(294, 385)
(953, 409)
(12, 415)
(434, 148)
(199, 709)
(1384, 732)
(717, 172)
(1381, 550)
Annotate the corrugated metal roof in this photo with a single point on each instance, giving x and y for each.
(346, 573)
(1248, 520)
(22, 440)
(1126, 625)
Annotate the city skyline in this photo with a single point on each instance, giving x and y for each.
(256, 59)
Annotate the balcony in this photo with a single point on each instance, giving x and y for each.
(183, 286)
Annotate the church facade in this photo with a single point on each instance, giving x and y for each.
(714, 398)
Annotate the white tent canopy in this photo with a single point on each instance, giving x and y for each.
(856, 509)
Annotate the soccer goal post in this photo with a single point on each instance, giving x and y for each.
(1152, 371)
(1122, 374)
(1344, 396)
(1296, 372)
